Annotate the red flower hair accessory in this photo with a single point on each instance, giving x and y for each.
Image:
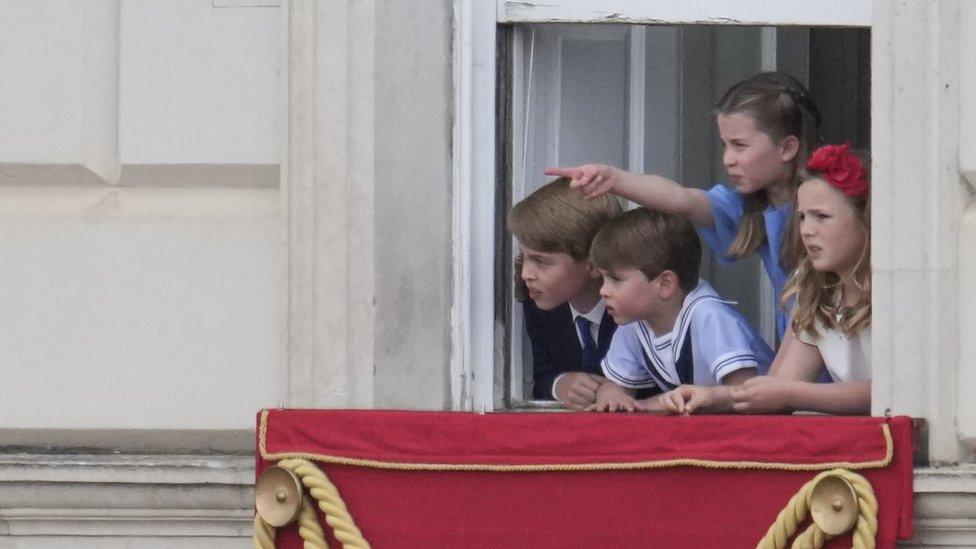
(841, 168)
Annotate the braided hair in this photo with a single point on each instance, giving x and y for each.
(780, 106)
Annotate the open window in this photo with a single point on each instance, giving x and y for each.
(577, 81)
(641, 97)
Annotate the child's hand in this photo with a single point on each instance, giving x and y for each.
(686, 399)
(624, 404)
(763, 395)
(591, 180)
(610, 397)
(577, 390)
(674, 402)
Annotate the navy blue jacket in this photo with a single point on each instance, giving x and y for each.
(556, 347)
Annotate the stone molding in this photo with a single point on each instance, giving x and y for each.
(126, 495)
(945, 507)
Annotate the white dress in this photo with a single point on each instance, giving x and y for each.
(847, 359)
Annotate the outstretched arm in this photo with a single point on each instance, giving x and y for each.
(792, 385)
(651, 191)
(763, 395)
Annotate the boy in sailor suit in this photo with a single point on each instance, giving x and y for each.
(674, 329)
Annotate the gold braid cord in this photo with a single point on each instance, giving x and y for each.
(798, 508)
(329, 501)
(308, 527)
(264, 534)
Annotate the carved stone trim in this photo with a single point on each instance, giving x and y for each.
(126, 495)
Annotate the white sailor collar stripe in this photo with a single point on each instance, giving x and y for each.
(656, 349)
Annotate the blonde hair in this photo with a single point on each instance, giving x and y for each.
(780, 106)
(818, 294)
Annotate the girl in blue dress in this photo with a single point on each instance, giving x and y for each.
(767, 124)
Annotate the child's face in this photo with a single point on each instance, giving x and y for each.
(554, 278)
(628, 294)
(832, 231)
(752, 159)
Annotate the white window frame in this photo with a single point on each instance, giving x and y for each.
(913, 248)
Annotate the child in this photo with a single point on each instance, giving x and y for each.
(831, 326)
(674, 328)
(767, 124)
(564, 315)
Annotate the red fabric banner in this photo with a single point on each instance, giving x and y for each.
(446, 479)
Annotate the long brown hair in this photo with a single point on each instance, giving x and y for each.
(780, 106)
(818, 294)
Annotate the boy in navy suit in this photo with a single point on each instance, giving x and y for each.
(564, 315)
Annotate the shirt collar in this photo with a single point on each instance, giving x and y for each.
(595, 315)
(703, 290)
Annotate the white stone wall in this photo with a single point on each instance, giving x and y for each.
(137, 308)
(128, 304)
(367, 195)
(205, 215)
(61, 90)
(967, 230)
(142, 268)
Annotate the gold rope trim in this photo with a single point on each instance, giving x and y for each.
(797, 509)
(308, 528)
(491, 467)
(322, 491)
(264, 534)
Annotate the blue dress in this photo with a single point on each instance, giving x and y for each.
(727, 212)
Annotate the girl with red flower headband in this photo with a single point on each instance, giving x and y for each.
(831, 327)
(767, 123)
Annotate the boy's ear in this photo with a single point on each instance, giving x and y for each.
(592, 270)
(789, 146)
(669, 283)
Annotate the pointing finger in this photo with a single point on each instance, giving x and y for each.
(562, 172)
